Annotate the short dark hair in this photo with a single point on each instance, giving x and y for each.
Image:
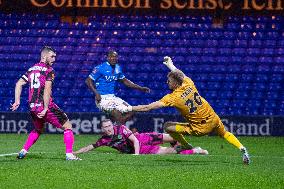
(47, 49)
(177, 76)
(112, 52)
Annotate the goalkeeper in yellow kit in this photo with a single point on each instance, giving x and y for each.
(200, 116)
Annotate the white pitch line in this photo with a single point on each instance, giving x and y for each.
(250, 156)
(276, 157)
(11, 154)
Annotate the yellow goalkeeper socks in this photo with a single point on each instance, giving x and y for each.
(233, 140)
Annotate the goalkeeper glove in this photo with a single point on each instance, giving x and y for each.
(124, 109)
(169, 63)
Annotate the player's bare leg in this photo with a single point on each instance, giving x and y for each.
(168, 139)
(120, 118)
(166, 150)
(170, 150)
(69, 141)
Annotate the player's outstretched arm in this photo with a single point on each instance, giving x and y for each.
(170, 64)
(91, 86)
(145, 108)
(84, 149)
(18, 92)
(140, 108)
(132, 85)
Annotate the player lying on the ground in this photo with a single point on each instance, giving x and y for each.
(123, 140)
(200, 117)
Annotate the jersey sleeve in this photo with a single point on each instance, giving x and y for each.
(50, 76)
(121, 74)
(126, 132)
(96, 73)
(100, 142)
(26, 76)
(168, 100)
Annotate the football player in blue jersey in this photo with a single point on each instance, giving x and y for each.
(102, 82)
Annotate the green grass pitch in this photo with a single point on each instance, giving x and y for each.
(45, 165)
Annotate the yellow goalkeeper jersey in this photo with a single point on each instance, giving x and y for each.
(187, 100)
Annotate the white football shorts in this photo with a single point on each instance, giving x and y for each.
(110, 102)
